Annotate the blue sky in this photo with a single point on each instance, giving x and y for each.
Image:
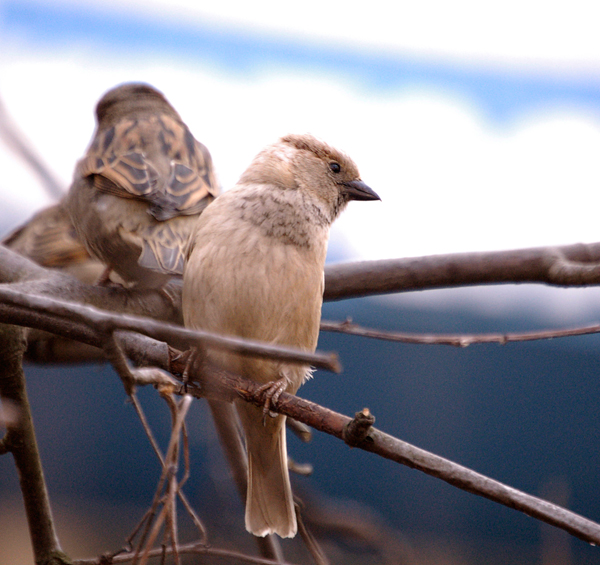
(502, 94)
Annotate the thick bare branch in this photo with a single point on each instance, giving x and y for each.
(565, 266)
(28, 277)
(222, 385)
(570, 265)
(219, 384)
(41, 313)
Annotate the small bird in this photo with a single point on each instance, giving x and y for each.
(136, 193)
(48, 238)
(255, 269)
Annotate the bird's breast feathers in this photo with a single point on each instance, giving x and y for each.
(251, 279)
(283, 217)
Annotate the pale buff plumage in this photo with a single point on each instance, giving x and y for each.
(142, 182)
(255, 269)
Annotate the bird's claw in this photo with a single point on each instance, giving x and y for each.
(105, 281)
(271, 391)
(192, 356)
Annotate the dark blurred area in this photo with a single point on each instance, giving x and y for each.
(524, 414)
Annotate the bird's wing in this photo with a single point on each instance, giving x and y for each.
(155, 159)
(49, 239)
(163, 245)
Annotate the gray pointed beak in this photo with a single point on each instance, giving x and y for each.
(358, 190)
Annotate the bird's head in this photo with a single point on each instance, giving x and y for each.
(325, 175)
(120, 101)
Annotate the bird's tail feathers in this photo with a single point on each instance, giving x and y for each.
(269, 502)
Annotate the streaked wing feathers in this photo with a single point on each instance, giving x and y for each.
(155, 159)
(163, 248)
(48, 239)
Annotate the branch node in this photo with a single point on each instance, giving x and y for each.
(356, 430)
(106, 559)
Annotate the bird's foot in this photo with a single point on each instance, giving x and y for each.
(104, 278)
(272, 391)
(191, 356)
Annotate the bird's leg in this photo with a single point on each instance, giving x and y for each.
(272, 391)
(171, 294)
(104, 278)
(192, 356)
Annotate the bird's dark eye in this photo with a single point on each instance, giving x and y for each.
(335, 167)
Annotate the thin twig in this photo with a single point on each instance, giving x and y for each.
(456, 340)
(172, 458)
(153, 375)
(186, 456)
(115, 355)
(169, 470)
(172, 517)
(152, 535)
(146, 518)
(193, 549)
(142, 416)
(15, 139)
(203, 540)
(309, 540)
(356, 523)
(301, 431)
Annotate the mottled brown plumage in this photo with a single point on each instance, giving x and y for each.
(255, 270)
(142, 182)
(49, 239)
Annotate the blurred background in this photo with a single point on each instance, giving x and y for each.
(479, 126)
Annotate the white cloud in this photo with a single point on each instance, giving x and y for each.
(449, 182)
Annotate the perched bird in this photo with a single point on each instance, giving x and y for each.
(255, 269)
(48, 238)
(136, 193)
